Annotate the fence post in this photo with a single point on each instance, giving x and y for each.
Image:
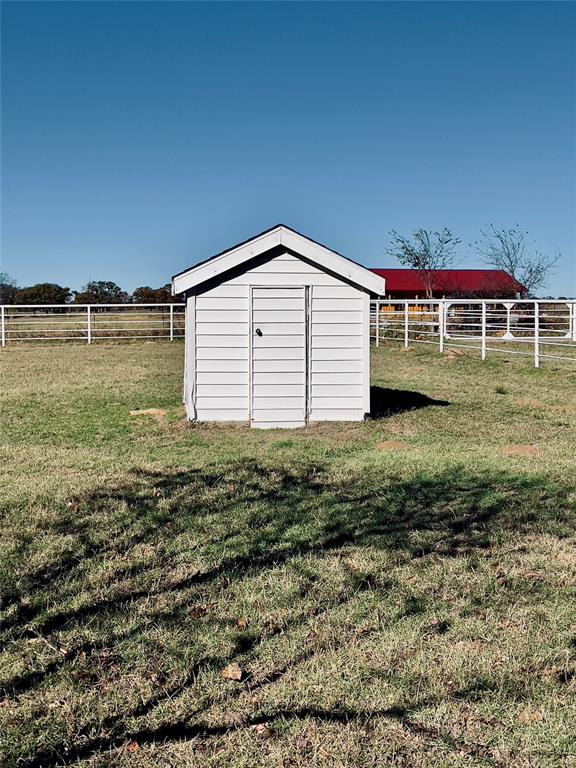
(89, 324)
(441, 324)
(508, 334)
(405, 325)
(377, 323)
(3, 327)
(573, 322)
(171, 322)
(483, 330)
(536, 334)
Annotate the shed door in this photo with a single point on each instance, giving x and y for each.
(278, 357)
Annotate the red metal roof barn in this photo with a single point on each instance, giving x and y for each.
(451, 283)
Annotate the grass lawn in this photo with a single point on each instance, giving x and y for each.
(399, 592)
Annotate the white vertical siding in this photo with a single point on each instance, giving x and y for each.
(338, 347)
(337, 354)
(222, 354)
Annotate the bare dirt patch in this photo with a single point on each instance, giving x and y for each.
(527, 403)
(157, 413)
(564, 410)
(521, 450)
(451, 354)
(392, 445)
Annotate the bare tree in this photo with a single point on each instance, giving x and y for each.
(425, 252)
(508, 249)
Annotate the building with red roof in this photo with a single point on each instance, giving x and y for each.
(451, 283)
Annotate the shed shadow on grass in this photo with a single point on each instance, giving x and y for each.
(386, 402)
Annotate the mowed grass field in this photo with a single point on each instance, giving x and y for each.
(398, 592)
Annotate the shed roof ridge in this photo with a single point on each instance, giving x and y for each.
(314, 251)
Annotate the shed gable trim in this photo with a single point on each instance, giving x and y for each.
(292, 240)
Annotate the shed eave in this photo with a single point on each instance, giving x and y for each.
(280, 235)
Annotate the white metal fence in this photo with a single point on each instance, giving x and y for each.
(90, 322)
(543, 330)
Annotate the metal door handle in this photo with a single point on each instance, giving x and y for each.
(258, 332)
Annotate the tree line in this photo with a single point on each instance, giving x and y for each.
(94, 292)
(505, 248)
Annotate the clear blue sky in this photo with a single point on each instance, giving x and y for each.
(139, 138)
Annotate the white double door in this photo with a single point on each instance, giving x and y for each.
(278, 356)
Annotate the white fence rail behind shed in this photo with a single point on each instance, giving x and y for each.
(90, 322)
(542, 330)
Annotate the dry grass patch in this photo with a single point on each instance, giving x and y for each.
(521, 450)
(157, 413)
(392, 445)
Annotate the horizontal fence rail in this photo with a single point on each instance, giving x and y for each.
(542, 330)
(90, 322)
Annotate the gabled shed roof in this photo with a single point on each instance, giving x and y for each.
(309, 249)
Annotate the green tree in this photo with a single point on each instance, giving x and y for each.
(425, 252)
(8, 289)
(43, 293)
(147, 295)
(101, 292)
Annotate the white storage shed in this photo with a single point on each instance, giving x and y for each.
(277, 333)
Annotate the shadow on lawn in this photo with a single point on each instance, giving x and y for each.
(269, 514)
(388, 402)
(247, 517)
